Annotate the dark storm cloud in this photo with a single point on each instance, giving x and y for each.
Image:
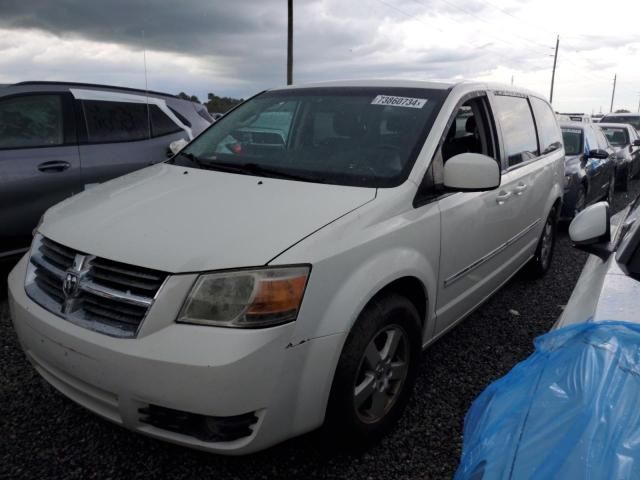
(169, 25)
(242, 44)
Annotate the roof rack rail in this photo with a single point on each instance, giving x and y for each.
(80, 84)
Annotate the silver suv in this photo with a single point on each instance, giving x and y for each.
(57, 139)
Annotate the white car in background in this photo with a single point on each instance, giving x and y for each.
(234, 297)
(609, 286)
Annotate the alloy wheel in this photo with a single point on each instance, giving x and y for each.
(547, 244)
(382, 372)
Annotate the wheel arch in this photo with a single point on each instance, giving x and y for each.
(413, 289)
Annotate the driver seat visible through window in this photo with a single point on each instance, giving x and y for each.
(469, 132)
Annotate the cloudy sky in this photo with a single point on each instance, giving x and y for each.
(238, 48)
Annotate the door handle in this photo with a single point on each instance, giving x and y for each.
(503, 197)
(520, 188)
(54, 166)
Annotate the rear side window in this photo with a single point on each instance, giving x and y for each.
(548, 130)
(31, 121)
(180, 117)
(518, 129)
(161, 124)
(115, 121)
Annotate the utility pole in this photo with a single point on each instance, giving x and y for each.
(290, 43)
(613, 94)
(553, 74)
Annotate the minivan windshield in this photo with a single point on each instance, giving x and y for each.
(630, 119)
(572, 139)
(339, 135)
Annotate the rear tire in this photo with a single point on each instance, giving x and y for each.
(376, 372)
(541, 261)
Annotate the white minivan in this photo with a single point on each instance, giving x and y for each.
(285, 269)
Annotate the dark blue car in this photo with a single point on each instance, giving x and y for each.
(590, 167)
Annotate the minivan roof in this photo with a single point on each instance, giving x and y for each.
(93, 85)
(467, 85)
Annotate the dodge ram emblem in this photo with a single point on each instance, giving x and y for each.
(70, 285)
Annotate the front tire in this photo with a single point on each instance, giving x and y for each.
(376, 372)
(541, 261)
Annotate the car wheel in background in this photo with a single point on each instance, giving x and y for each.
(541, 261)
(376, 371)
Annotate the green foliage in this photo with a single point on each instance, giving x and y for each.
(216, 104)
(191, 98)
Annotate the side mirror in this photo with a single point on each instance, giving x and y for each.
(590, 230)
(636, 143)
(176, 146)
(471, 172)
(598, 153)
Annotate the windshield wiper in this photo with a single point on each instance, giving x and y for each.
(189, 156)
(258, 170)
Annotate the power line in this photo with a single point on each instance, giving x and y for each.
(477, 17)
(566, 58)
(414, 17)
(536, 26)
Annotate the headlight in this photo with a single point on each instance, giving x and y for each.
(246, 298)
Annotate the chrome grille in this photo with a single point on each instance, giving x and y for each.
(107, 296)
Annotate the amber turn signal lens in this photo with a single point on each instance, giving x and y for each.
(278, 295)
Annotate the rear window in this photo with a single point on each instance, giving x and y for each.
(115, 121)
(630, 119)
(572, 139)
(518, 129)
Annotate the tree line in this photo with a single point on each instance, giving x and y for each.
(214, 103)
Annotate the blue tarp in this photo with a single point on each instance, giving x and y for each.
(569, 411)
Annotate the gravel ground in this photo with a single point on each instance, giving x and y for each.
(44, 435)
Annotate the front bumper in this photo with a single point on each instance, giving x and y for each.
(207, 371)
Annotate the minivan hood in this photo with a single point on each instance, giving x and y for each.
(179, 219)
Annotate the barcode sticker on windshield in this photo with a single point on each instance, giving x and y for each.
(399, 101)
